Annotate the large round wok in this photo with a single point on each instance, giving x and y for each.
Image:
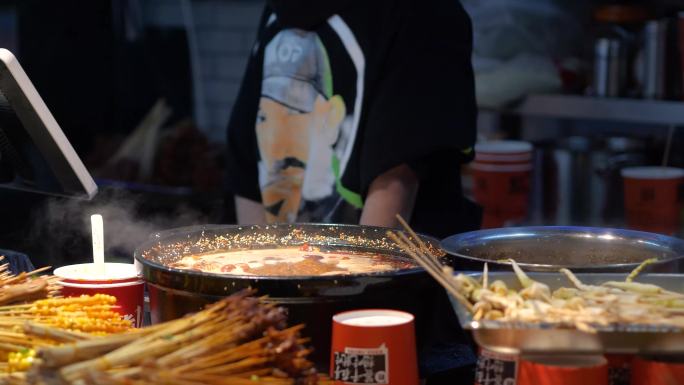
(549, 248)
(312, 300)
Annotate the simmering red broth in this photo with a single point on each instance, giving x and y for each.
(292, 261)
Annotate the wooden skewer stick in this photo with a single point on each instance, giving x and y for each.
(39, 270)
(427, 258)
(227, 343)
(437, 274)
(415, 236)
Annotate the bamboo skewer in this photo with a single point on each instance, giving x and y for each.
(66, 354)
(33, 317)
(233, 341)
(417, 249)
(39, 270)
(612, 303)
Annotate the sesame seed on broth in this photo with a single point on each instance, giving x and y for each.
(291, 261)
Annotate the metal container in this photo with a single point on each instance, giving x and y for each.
(581, 249)
(571, 191)
(610, 67)
(615, 154)
(540, 338)
(654, 59)
(577, 179)
(311, 300)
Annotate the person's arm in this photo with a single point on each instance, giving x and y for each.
(422, 105)
(392, 192)
(249, 212)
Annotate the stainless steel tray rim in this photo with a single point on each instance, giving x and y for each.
(549, 338)
(599, 328)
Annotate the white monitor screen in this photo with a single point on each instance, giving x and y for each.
(35, 155)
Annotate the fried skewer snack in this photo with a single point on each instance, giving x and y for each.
(585, 307)
(238, 340)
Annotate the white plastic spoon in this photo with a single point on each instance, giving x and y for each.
(98, 244)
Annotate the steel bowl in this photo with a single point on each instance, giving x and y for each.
(311, 300)
(549, 248)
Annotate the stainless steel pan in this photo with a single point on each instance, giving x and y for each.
(581, 249)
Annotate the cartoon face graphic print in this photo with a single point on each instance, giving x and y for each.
(297, 126)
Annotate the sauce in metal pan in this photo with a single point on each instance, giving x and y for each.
(291, 261)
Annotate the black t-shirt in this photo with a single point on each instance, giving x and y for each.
(337, 93)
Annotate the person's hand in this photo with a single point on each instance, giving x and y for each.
(391, 193)
(249, 212)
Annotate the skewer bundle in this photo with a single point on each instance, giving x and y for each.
(609, 306)
(238, 340)
(613, 304)
(54, 321)
(91, 314)
(31, 316)
(586, 307)
(24, 286)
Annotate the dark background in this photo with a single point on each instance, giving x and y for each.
(101, 65)
(99, 76)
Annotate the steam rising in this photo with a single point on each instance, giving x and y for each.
(63, 225)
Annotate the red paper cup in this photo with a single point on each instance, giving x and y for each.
(501, 176)
(654, 197)
(563, 370)
(658, 371)
(129, 296)
(374, 346)
(503, 152)
(503, 191)
(495, 368)
(619, 368)
(121, 281)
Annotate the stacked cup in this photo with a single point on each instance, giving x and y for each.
(658, 371)
(501, 181)
(619, 368)
(654, 198)
(563, 370)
